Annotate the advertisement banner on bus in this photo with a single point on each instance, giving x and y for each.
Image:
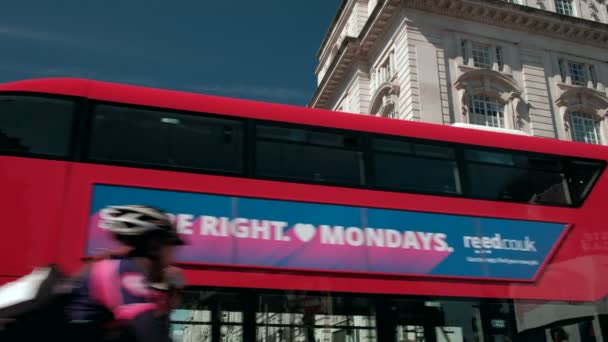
(254, 232)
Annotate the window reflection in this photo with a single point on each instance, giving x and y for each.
(303, 318)
(232, 333)
(205, 313)
(192, 332)
(275, 316)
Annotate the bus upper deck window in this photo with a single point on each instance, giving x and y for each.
(516, 177)
(416, 167)
(35, 125)
(168, 139)
(309, 154)
(581, 176)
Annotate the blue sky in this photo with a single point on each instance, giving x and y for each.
(262, 50)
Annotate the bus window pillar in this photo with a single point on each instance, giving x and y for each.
(386, 321)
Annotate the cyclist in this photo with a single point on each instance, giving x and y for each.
(116, 294)
(170, 291)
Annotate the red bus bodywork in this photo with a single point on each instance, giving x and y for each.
(45, 203)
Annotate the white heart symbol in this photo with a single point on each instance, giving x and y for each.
(305, 232)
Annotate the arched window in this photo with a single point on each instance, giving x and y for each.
(583, 111)
(492, 99)
(486, 111)
(384, 100)
(585, 128)
(389, 111)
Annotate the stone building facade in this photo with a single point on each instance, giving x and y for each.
(536, 67)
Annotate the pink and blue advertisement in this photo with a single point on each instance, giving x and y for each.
(251, 232)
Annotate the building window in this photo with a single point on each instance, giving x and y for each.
(484, 56)
(585, 128)
(389, 111)
(465, 52)
(392, 112)
(384, 72)
(565, 7)
(578, 73)
(562, 71)
(486, 111)
(481, 56)
(499, 58)
(593, 75)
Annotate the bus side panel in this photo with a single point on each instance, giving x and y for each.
(31, 198)
(571, 268)
(78, 192)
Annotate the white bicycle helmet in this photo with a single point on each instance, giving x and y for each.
(130, 222)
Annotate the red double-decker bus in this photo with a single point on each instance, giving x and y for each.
(311, 225)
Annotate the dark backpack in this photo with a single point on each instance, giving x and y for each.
(31, 307)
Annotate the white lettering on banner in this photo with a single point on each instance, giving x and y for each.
(503, 261)
(240, 228)
(374, 237)
(244, 228)
(498, 243)
(332, 235)
(260, 227)
(184, 224)
(410, 240)
(305, 232)
(393, 238)
(209, 226)
(390, 238)
(354, 236)
(279, 228)
(426, 239)
(223, 226)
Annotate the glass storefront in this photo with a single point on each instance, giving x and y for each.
(216, 315)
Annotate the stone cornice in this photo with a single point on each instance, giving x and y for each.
(371, 31)
(335, 73)
(518, 17)
(332, 26)
(492, 12)
(333, 36)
